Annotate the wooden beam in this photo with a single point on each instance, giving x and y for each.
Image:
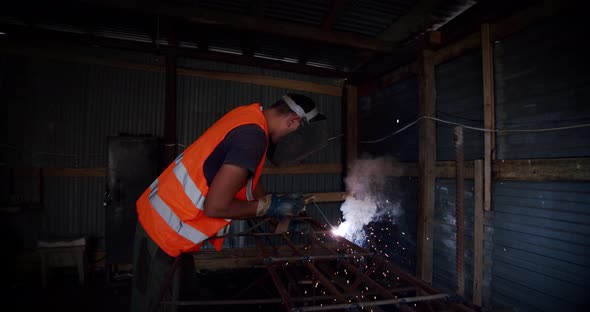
(329, 197)
(564, 169)
(401, 73)
(457, 49)
(351, 129)
(230, 76)
(555, 169)
(264, 81)
(418, 19)
(304, 169)
(427, 160)
(280, 28)
(487, 54)
(459, 212)
(478, 234)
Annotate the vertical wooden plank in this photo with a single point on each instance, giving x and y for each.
(426, 161)
(488, 109)
(460, 238)
(170, 109)
(478, 234)
(351, 128)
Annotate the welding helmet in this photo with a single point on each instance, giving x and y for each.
(311, 137)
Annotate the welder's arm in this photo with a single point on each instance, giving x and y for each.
(220, 202)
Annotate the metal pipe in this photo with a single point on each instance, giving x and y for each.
(318, 257)
(371, 303)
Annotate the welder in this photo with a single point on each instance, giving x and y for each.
(215, 180)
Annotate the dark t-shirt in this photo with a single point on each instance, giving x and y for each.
(243, 146)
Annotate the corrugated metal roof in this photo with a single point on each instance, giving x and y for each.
(371, 17)
(459, 98)
(542, 239)
(233, 6)
(385, 112)
(541, 83)
(310, 12)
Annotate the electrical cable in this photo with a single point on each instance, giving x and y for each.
(475, 128)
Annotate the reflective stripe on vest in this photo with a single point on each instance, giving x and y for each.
(189, 186)
(196, 198)
(172, 219)
(249, 195)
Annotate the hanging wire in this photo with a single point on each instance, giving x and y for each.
(475, 128)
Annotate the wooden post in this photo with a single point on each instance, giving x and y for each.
(170, 110)
(488, 109)
(460, 239)
(478, 235)
(426, 161)
(351, 129)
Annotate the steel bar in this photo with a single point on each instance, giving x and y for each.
(310, 257)
(280, 287)
(371, 303)
(259, 301)
(323, 279)
(368, 280)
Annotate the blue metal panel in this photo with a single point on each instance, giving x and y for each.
(459, 98)
(385, 112)
(541, 82)
(542, 239)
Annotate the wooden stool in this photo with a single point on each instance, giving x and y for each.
(64, 253)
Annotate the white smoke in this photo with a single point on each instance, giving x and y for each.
(367, 200)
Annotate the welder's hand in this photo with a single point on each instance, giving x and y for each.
(281, 206)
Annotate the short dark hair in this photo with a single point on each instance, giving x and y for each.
(305, 102)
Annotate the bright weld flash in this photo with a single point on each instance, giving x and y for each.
(341, 229)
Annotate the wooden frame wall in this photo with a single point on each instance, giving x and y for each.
(571, 169)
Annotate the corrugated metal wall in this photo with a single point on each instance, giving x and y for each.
(459, 98)
(445, 242)
(59, 114)
(541, 259)
(385, 112)
(542, 246)
(541, 82)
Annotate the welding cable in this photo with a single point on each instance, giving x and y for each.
(475, 128)
(323, 215)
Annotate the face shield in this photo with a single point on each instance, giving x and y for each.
(311, 137)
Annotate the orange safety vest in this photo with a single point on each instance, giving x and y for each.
(171, 209)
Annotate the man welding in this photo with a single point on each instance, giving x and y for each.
(217, 179)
